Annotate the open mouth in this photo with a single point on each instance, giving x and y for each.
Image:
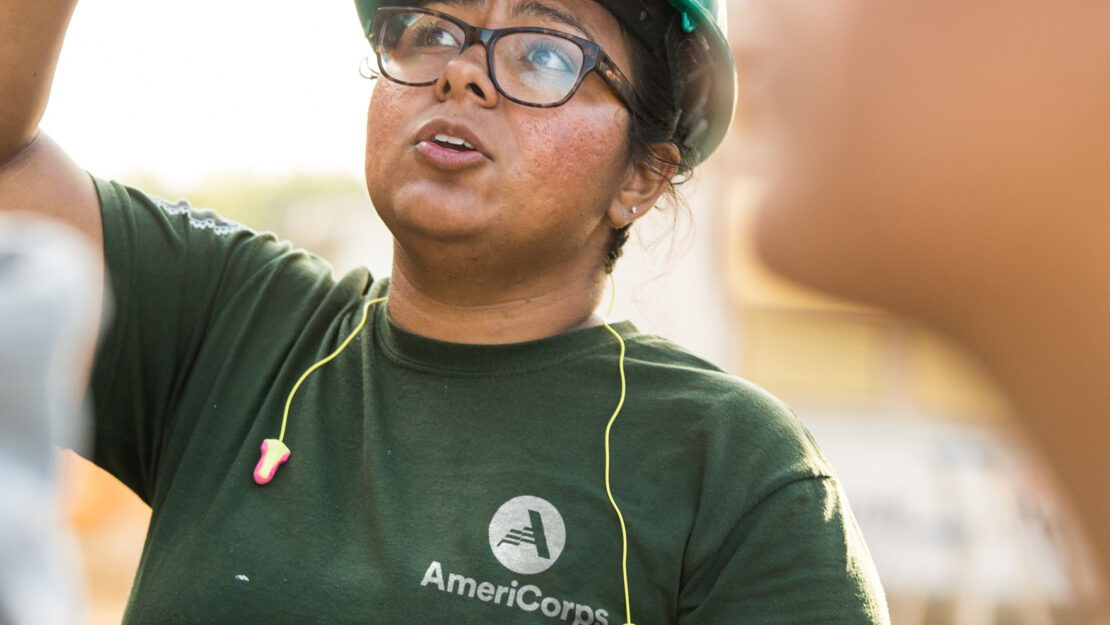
(450, 146)
(452, 143)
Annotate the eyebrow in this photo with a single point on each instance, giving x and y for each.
(476, 4)
(532, 8)
(538, 9)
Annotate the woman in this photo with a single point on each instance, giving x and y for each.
(465, 441)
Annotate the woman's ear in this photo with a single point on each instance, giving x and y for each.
(643, 185)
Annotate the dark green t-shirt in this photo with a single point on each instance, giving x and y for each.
(432, 482)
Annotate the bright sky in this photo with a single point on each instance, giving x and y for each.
(183, 89)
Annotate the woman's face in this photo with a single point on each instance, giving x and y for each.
(533, 193)
(933, 149)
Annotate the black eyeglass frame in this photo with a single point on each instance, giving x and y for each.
(593, 57)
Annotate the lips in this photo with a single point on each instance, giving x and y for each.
(450, 145)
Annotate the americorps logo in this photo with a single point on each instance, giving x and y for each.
(527, 535)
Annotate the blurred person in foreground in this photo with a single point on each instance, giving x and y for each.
(47, 293)
(466, 440)
(950, 160)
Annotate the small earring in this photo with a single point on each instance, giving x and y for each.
(634, 209)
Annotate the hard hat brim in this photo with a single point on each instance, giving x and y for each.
(709, 35)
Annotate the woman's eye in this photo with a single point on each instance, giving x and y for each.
(435, 37)
(549, 57)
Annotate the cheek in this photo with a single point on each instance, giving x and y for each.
(384, 119)
(572, 153)
(389, 114)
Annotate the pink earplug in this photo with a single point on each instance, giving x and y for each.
(274, 452)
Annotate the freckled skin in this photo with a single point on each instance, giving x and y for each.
(535, 214)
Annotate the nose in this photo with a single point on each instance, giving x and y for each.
(467, 75)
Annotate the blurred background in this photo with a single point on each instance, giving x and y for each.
(257, 110)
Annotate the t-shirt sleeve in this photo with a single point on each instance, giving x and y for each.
(776, 542)
(797, 558)
(175, 272)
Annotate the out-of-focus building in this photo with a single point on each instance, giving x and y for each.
(110, 523)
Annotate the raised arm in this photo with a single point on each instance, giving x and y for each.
(35, 175)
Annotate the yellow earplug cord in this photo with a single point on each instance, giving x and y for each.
(358, 328)
(608, 427)
(608, 488)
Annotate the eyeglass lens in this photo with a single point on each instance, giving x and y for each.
(537, 68)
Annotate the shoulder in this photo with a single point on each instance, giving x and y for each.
(735, 422)
(150, 224)
(197, 246)
(185, 279)
(690, 379)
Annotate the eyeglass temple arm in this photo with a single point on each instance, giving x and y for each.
(616, 78)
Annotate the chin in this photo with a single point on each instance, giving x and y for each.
(431, 211)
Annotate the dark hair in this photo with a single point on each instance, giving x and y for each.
(652, 121)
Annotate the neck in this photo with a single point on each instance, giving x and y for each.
(476, 313)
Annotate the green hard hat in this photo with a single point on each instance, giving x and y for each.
(706, 80)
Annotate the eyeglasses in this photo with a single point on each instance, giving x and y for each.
(531, 66)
